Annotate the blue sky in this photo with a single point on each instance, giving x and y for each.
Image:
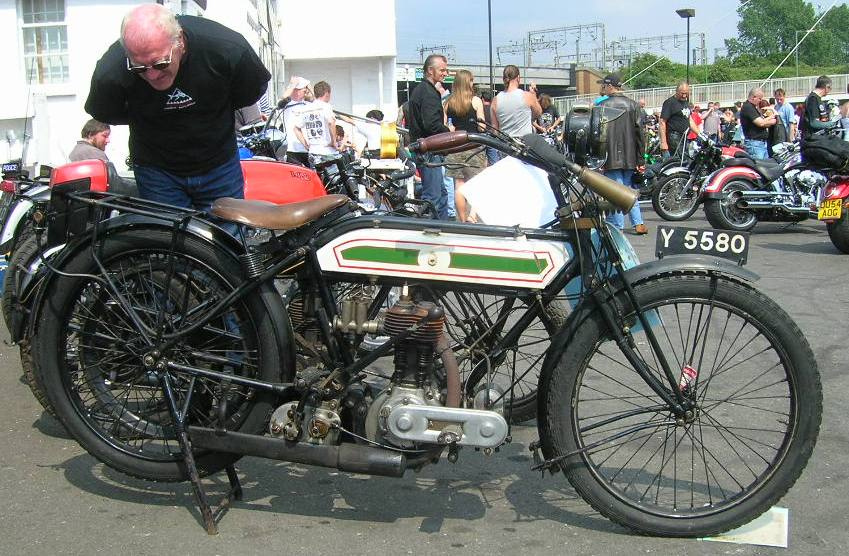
(463, 23)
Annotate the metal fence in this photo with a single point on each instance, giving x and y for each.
(724, 93)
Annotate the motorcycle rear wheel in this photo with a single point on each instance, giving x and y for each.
(90, 352)
(759, 405)
(724, 216)
(838, 232)
(672, 200)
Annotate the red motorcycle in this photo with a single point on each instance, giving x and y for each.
(833, 211)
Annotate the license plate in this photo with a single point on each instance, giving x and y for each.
(691, 241)
(830, 209)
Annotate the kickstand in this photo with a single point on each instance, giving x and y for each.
(210, 516)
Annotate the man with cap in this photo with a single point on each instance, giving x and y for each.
(625, 146)
(295, 103)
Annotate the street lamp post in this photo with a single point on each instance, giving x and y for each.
(687, 13)
(796, 40)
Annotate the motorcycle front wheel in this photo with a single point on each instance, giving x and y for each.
(673, 198)
(90, 349)
(758, 405)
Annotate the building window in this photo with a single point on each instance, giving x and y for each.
(45, 41)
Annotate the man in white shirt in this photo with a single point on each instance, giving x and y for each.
(295, 103)
(316, 124)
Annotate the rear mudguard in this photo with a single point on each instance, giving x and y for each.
(41, 284)
(11, 227)
(716, 182)
(668, 266)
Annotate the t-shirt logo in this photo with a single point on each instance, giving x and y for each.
(177, 100)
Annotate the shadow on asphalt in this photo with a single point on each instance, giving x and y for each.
(814, 248)
(48, 425)
(464, 491)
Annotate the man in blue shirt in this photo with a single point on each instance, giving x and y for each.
(786, 113)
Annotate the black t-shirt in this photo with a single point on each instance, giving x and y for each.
(548, 116)
(676, 113)
(816, 115)
(187, 129)
(747, 119)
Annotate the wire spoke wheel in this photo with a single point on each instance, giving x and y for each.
(757, 398)
(674, 199)
(92, 355)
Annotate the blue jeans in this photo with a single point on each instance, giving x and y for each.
(493, 156)
(448, 185)
(756, 148)
(195, 192)
(433, 186)
(617, 218)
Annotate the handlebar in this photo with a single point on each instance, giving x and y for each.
(621, 196)
(399, 175)
(441, 142)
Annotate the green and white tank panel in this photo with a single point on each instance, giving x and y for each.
(514, 261)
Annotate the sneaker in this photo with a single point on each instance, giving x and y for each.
(641, 230)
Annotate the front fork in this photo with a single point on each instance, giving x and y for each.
(677, 401)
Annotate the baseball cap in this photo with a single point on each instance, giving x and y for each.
(611, 79)
(300, 83)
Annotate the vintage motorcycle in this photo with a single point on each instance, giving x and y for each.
(676, 398)
(677, 191)
(744, 191)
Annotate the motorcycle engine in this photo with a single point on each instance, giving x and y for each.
(807, 180)
(414, 382)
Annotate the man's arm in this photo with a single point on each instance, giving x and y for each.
(533, 103)
(661, 128)
(331, 125)
(639, 138)
(107, 100)
(250, 78)
(493, 118)
(433, 116)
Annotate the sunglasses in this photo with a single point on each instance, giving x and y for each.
(159, 65)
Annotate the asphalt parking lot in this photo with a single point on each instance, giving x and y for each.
(57, 499)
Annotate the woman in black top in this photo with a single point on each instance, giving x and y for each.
(463, 110)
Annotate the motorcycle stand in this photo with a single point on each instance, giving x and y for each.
(210, 516)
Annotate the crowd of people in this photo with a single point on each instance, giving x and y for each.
(181, 111)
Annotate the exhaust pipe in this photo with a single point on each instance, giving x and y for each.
(345, 457)
(766, 205)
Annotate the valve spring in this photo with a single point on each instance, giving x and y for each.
(252, 263)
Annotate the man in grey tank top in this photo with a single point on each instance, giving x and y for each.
(513, 109)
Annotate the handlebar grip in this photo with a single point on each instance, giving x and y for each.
(440, 142)
(623, 197)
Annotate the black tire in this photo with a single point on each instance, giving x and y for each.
(838, 232)
(26, 252)
(745, 446)
(477, 323)
(672, 200)
(31, 378)
(724, 216)
(90, 354)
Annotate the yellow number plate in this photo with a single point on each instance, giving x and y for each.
(830, 209)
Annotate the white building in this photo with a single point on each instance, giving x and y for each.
(52, 46)
(349, 44)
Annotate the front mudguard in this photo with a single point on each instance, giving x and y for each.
(41, 284)
(668, 266)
